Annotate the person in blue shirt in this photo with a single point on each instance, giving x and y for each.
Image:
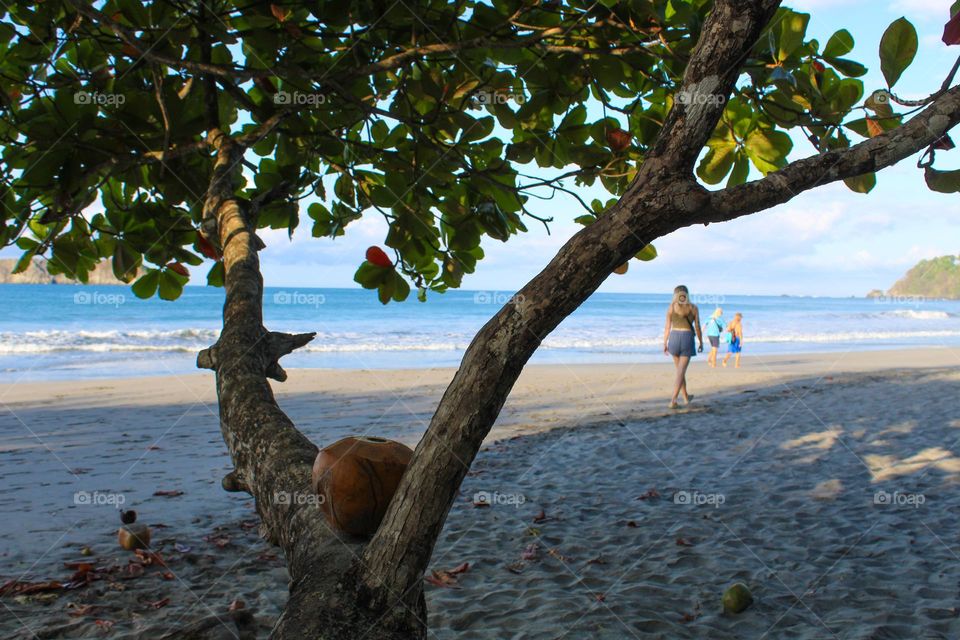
(715, 327)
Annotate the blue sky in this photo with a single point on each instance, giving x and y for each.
(830, 241)
(827, 242)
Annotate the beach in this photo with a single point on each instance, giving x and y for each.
(824, 482)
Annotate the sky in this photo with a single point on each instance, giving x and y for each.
(828, 242)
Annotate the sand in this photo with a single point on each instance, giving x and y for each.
(825, 483)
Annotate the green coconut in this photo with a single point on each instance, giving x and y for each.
(737, 598)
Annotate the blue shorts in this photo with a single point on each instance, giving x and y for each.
(682, 343)
(734, 346)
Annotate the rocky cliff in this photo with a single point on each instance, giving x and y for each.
(37, 273)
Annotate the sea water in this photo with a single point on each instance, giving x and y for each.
(75, 331)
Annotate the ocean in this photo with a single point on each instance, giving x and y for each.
(71, 331)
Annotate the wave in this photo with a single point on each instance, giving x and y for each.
(193, 339)
(914, 314)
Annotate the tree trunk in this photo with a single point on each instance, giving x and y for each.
(272, 459)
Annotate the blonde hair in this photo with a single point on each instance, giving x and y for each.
(680, 290)
(717, 313)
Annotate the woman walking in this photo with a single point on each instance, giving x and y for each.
(683, 322)
(715, 326)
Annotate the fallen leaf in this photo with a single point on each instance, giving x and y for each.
(23, 588)
(531, 552)
(106, 625)
(516, 567)
(460, 568)
(540, 517)
(169, 493)
(150, 558)
(236, 605)
(651, 493)
(688, 617)
(219, 541)
(166, 575)
(80, 610)
(597, 560)
(632, 524)
(133, 570)
(600, 597)
(160, 604)
(684, 542)
(442, 579)
(181, 548)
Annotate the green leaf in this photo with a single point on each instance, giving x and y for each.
(171, 284)
(147, 284)
(898, 47)
(215, 275)
(839, 44)
(126, 262)
(791, 31)
(862, 184)
(768, 149)
(848, 68)
(646, 254)
(942, 181)
(741, 169)
(717, 163)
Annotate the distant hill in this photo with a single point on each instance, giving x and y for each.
(37, 273)
(934, 278)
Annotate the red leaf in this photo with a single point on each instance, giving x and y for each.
(166, 575)
(540, 517)
(15, 586)
(818, 66)
(951, 31)
(280, 13)
(206, 247)
(652, 493)
(460, 568)
(176, 267)
(160, 604)
(376, 256)
(106, 625)
(618, 139)
(873, 128)
(683, 542)
(236, 605)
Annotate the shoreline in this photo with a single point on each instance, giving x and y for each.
(581, 443)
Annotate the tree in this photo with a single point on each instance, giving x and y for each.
(158, 109)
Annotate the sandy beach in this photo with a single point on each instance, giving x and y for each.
(826, 483)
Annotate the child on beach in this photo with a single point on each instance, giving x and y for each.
(715, 328)
(736, 340)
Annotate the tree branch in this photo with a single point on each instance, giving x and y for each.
(871, 155)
